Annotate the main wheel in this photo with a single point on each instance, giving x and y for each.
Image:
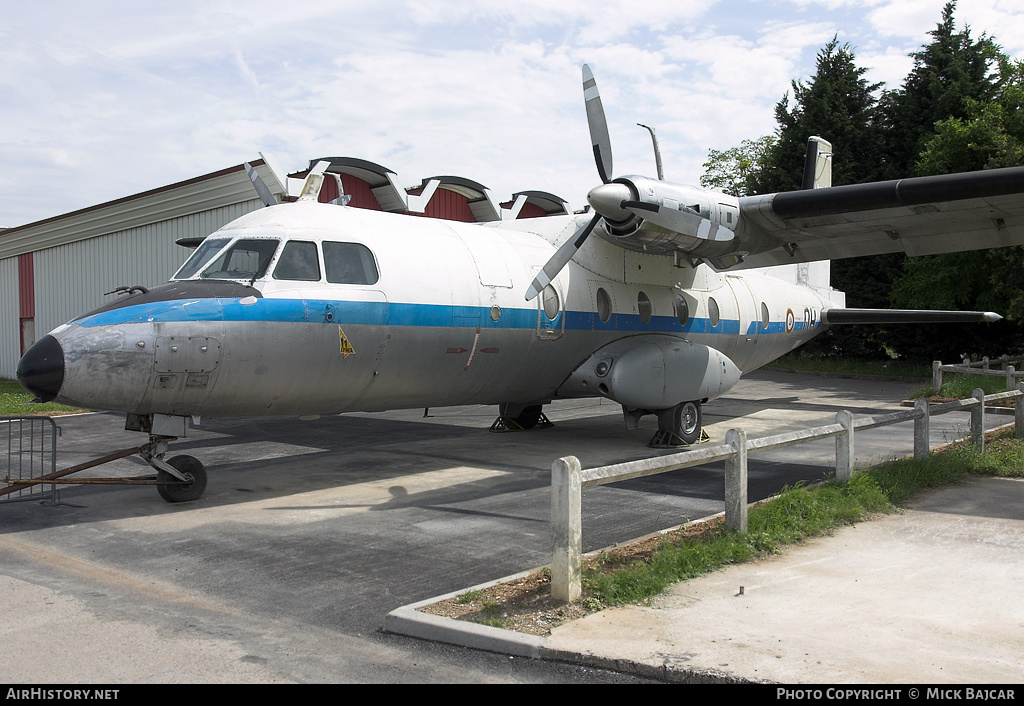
(529, 417)
(690, 422)
(679, 425)
(173, 490)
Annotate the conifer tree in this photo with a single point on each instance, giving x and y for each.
(949, 73)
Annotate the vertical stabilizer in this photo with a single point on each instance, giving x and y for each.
(818, 164)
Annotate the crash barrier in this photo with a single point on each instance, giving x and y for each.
(568, 478)
(978, 367)
(30, 452)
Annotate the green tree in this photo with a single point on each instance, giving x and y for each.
(950, 74)
(838, 104)
(732, 171)
(990, 136)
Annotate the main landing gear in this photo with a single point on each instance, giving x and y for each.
(678, 426)
(513, 417)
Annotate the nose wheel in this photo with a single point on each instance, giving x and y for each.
(180, 479)
(176, 490)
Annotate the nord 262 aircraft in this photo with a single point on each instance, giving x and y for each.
(659, 300)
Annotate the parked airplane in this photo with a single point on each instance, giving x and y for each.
(310, 309)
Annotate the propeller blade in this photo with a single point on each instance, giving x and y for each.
(598, 126)
(261, 187)
(560, 259)
(686, 222)
(314, 180)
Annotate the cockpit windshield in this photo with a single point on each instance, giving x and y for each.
(203, 254)
(245, 259)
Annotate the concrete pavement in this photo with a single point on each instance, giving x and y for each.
(310, 533)
(929, 596)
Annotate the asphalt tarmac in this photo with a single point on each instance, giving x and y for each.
(311, 533)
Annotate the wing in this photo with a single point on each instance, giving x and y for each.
(918, 216)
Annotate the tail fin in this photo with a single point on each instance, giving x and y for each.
(818, 164)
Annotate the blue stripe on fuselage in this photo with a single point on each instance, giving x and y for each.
(396, 314)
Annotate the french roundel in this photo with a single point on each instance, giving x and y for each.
(790, 321)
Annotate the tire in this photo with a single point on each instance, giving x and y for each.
(688, 419)
(529, 417)
(172, 490)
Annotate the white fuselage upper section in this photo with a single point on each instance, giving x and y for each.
(373, 311)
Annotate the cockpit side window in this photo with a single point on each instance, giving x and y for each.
(349, 263)
(245, 259)
(203, 254)
(298, 261)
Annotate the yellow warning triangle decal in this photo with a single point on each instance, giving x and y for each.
(346, 347)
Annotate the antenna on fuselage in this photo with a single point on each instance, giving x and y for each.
(657, 152)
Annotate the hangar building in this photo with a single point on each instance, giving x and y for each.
(55, 269)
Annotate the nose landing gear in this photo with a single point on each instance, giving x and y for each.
(179, 479)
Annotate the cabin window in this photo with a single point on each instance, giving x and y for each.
(349, 263)
(713, 314)
(604, 305)
(298, 261)
(199, 259)
(765, 320)
(549, 297)
(245, 259)
(682, 310)
(643, 306)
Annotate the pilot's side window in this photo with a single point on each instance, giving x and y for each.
(349, 263)
(298, 261)
(245, 259)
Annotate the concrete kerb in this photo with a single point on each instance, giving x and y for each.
(411, 621)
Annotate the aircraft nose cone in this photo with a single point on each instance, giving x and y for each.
(41, 369)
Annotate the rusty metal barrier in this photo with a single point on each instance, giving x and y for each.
(28, 451)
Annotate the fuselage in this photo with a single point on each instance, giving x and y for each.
(307, 308)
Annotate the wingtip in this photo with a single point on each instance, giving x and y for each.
(991, 317)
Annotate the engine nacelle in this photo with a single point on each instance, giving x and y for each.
(702, 221)
(653, 372)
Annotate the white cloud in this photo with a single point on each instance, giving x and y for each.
(106, 100)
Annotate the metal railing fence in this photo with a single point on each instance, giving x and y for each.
(28, 450)
(568, 478)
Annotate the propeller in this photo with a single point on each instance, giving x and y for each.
(598, 126)
(679, 221)
(676, 224)
(560, 258)
(261, 186)
(310, 187)
(602, 146)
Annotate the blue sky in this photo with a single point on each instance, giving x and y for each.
(103, 100)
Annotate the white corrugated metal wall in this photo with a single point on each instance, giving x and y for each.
(73, 278)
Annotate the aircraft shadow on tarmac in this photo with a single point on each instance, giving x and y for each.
(263, 459)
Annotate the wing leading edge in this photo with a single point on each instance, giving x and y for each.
(917, 216)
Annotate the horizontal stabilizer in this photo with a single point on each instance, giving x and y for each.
(905, 316)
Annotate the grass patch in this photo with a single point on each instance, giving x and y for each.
(837, 366)
(798, 513)
(964, 385)
(14, 401)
